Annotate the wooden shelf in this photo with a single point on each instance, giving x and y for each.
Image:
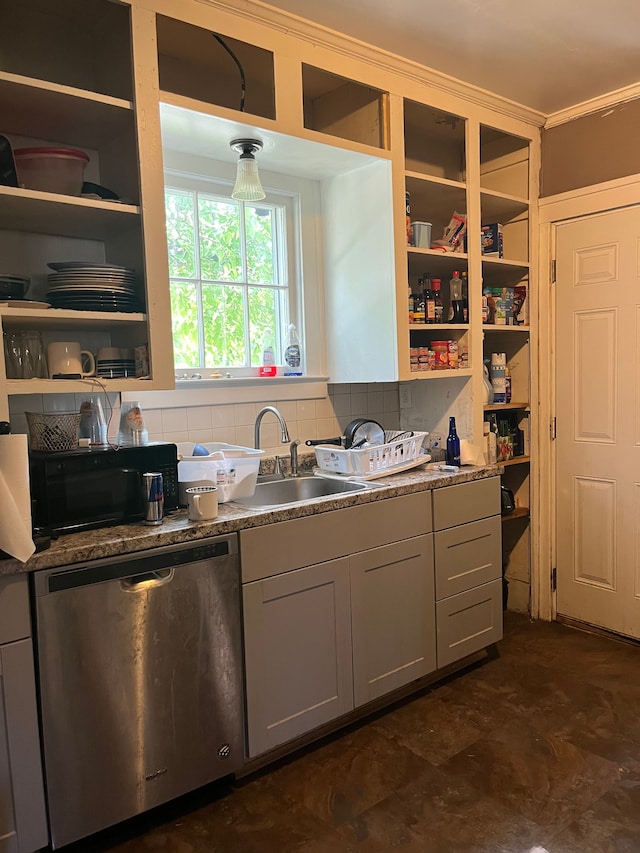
(440, 374)
(74, 386)
(63, 215)
(501, 207)
(38, 108)
(438, 327)
(490, 327)
(517, 460)
(64, 318)
(501, 407)
(519, 512)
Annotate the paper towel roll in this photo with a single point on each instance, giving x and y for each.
(15, 498)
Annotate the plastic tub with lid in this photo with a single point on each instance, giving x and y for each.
(51, 170)
(230, 467)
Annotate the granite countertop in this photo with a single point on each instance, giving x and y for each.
(176, 528)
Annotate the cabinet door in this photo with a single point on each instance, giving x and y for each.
(393, 616)
(297, 653)
(23, 824)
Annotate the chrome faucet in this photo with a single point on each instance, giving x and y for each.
(283, 426)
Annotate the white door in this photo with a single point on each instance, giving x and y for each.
(598, 420)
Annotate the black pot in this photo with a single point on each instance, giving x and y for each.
(357, 433)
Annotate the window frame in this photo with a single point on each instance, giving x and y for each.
(287, 257)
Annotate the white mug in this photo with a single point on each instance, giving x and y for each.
(202, 502)
(66, 357)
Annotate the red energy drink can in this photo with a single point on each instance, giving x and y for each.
(153, 497)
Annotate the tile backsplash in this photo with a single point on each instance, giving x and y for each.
(234, 422)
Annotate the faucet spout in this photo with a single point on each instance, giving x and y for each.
(285, 439)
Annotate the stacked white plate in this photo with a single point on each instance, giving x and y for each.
(88, 286)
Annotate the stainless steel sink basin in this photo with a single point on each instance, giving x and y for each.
(297, 489)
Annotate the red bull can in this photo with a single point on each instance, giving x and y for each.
(153, 497)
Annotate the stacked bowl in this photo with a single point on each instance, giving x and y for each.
(115, 363)
(13, 286)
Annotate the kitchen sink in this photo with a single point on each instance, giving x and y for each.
(297, 489)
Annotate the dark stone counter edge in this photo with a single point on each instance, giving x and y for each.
(131, 538)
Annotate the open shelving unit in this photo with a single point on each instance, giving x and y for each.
(80, 94)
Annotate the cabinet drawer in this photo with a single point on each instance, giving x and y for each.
(469, 622)
(15, 623)
(467, 556)
(466, 502)
(288, 545)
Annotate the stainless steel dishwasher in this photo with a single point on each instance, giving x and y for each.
(140, 676)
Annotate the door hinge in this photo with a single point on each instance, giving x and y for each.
(552, 429)
(554, 579)
(553, 271)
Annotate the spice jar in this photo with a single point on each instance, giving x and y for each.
(441, 350)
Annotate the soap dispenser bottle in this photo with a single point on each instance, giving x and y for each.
(293, 353)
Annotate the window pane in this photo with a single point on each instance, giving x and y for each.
(223, 316)
(184, 321)
(180, 234)
(220, 256)
(263, 317)
(259, 235)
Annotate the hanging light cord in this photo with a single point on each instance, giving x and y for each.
(243, 86)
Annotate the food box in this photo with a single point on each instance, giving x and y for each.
(491, 239)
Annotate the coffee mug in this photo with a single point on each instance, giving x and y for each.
(202, 503)
(67, 359)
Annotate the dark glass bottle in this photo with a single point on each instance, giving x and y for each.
(437, 300)
(453, 444)
(429, 302)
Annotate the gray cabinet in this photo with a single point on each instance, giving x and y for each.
(297, 653)
(23, 824)
(332, 624)
(392, 617)
(468, 568)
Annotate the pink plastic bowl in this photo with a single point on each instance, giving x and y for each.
(52, 170)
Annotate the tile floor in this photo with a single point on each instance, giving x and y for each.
(538, 747)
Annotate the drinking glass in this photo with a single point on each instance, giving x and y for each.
(34, 364)
(13, 354)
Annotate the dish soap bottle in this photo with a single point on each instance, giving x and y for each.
(453, 444)
(268, 367)
(293, 353)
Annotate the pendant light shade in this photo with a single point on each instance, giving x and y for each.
(247, 186)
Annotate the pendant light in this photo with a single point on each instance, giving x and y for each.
(247, 186)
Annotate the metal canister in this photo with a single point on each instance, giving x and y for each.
(153, 497)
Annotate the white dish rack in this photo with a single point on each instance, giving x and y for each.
(399, 454)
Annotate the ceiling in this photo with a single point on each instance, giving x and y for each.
(543, 54)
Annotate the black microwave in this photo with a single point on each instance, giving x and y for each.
(96, 487)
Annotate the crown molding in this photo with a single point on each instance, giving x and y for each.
(594, 105)
(340, 43)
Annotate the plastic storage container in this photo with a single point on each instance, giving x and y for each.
(232, 468)
(52, 170)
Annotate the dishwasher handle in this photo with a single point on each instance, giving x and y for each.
(140, 583)
(145, 565)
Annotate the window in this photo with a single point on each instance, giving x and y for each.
(231, 264)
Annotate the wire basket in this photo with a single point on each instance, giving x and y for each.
(53, 432)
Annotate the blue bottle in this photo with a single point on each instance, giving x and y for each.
(453, 444)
